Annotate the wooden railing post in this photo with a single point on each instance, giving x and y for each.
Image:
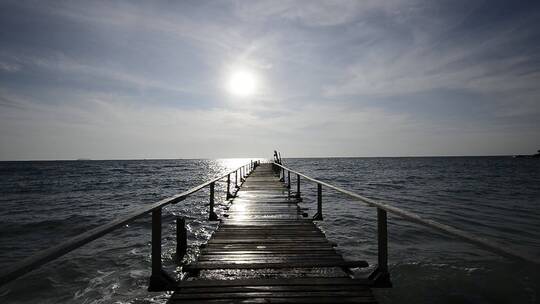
(318, 216)
(229, 195)
(181, 239)
(298, 186)
(212, 216)
(382, 239)
(288, 179)
(156, 242)
(381, 276)
(159, 280)
(236, 178)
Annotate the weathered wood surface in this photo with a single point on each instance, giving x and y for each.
(264, 232)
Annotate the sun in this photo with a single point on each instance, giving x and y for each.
(242, 83)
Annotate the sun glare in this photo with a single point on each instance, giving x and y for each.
(242, 83)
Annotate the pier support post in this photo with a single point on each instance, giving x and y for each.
(318, 216)
(298, 186)
(181, 239)
(212, 216)
(381, 276)
(288, 179)
(159, 280)
(229, 195)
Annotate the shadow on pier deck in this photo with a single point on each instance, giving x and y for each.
(271, 252)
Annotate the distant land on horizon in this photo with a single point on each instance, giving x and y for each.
(295, 157)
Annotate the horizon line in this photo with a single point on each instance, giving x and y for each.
(294, 157)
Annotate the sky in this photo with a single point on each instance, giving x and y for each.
(149, 79)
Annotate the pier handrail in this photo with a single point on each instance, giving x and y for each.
(30, 263)
(482, 242)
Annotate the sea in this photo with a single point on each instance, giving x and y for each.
(43, 203)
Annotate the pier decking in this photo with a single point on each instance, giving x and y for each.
(266, 251)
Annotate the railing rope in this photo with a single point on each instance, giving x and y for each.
(160, 277)
(482, 242)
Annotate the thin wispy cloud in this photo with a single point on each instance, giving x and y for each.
(353, 78)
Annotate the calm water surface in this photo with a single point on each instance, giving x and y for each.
(43, 203)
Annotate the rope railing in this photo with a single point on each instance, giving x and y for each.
(159, 279)
(381, 273)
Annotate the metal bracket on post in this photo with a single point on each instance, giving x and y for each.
(318, 216)
(159, 280)
(380, 277)
(181, 239)
(212, 216)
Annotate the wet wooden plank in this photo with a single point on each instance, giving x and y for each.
(319, 299)
(336, 294)
(275, 282)
(265, 251)
(280, 288)
(262, 265)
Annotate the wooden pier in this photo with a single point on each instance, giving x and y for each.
(272, 252)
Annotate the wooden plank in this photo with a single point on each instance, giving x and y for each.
(301, 264)
(270, 255)
(262, 251)
(273, 282)
(274, 294)
(319, 299)
(263, 241)
(281, 288)
(270, 259)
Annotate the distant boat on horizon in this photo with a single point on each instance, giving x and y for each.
(537, 155)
